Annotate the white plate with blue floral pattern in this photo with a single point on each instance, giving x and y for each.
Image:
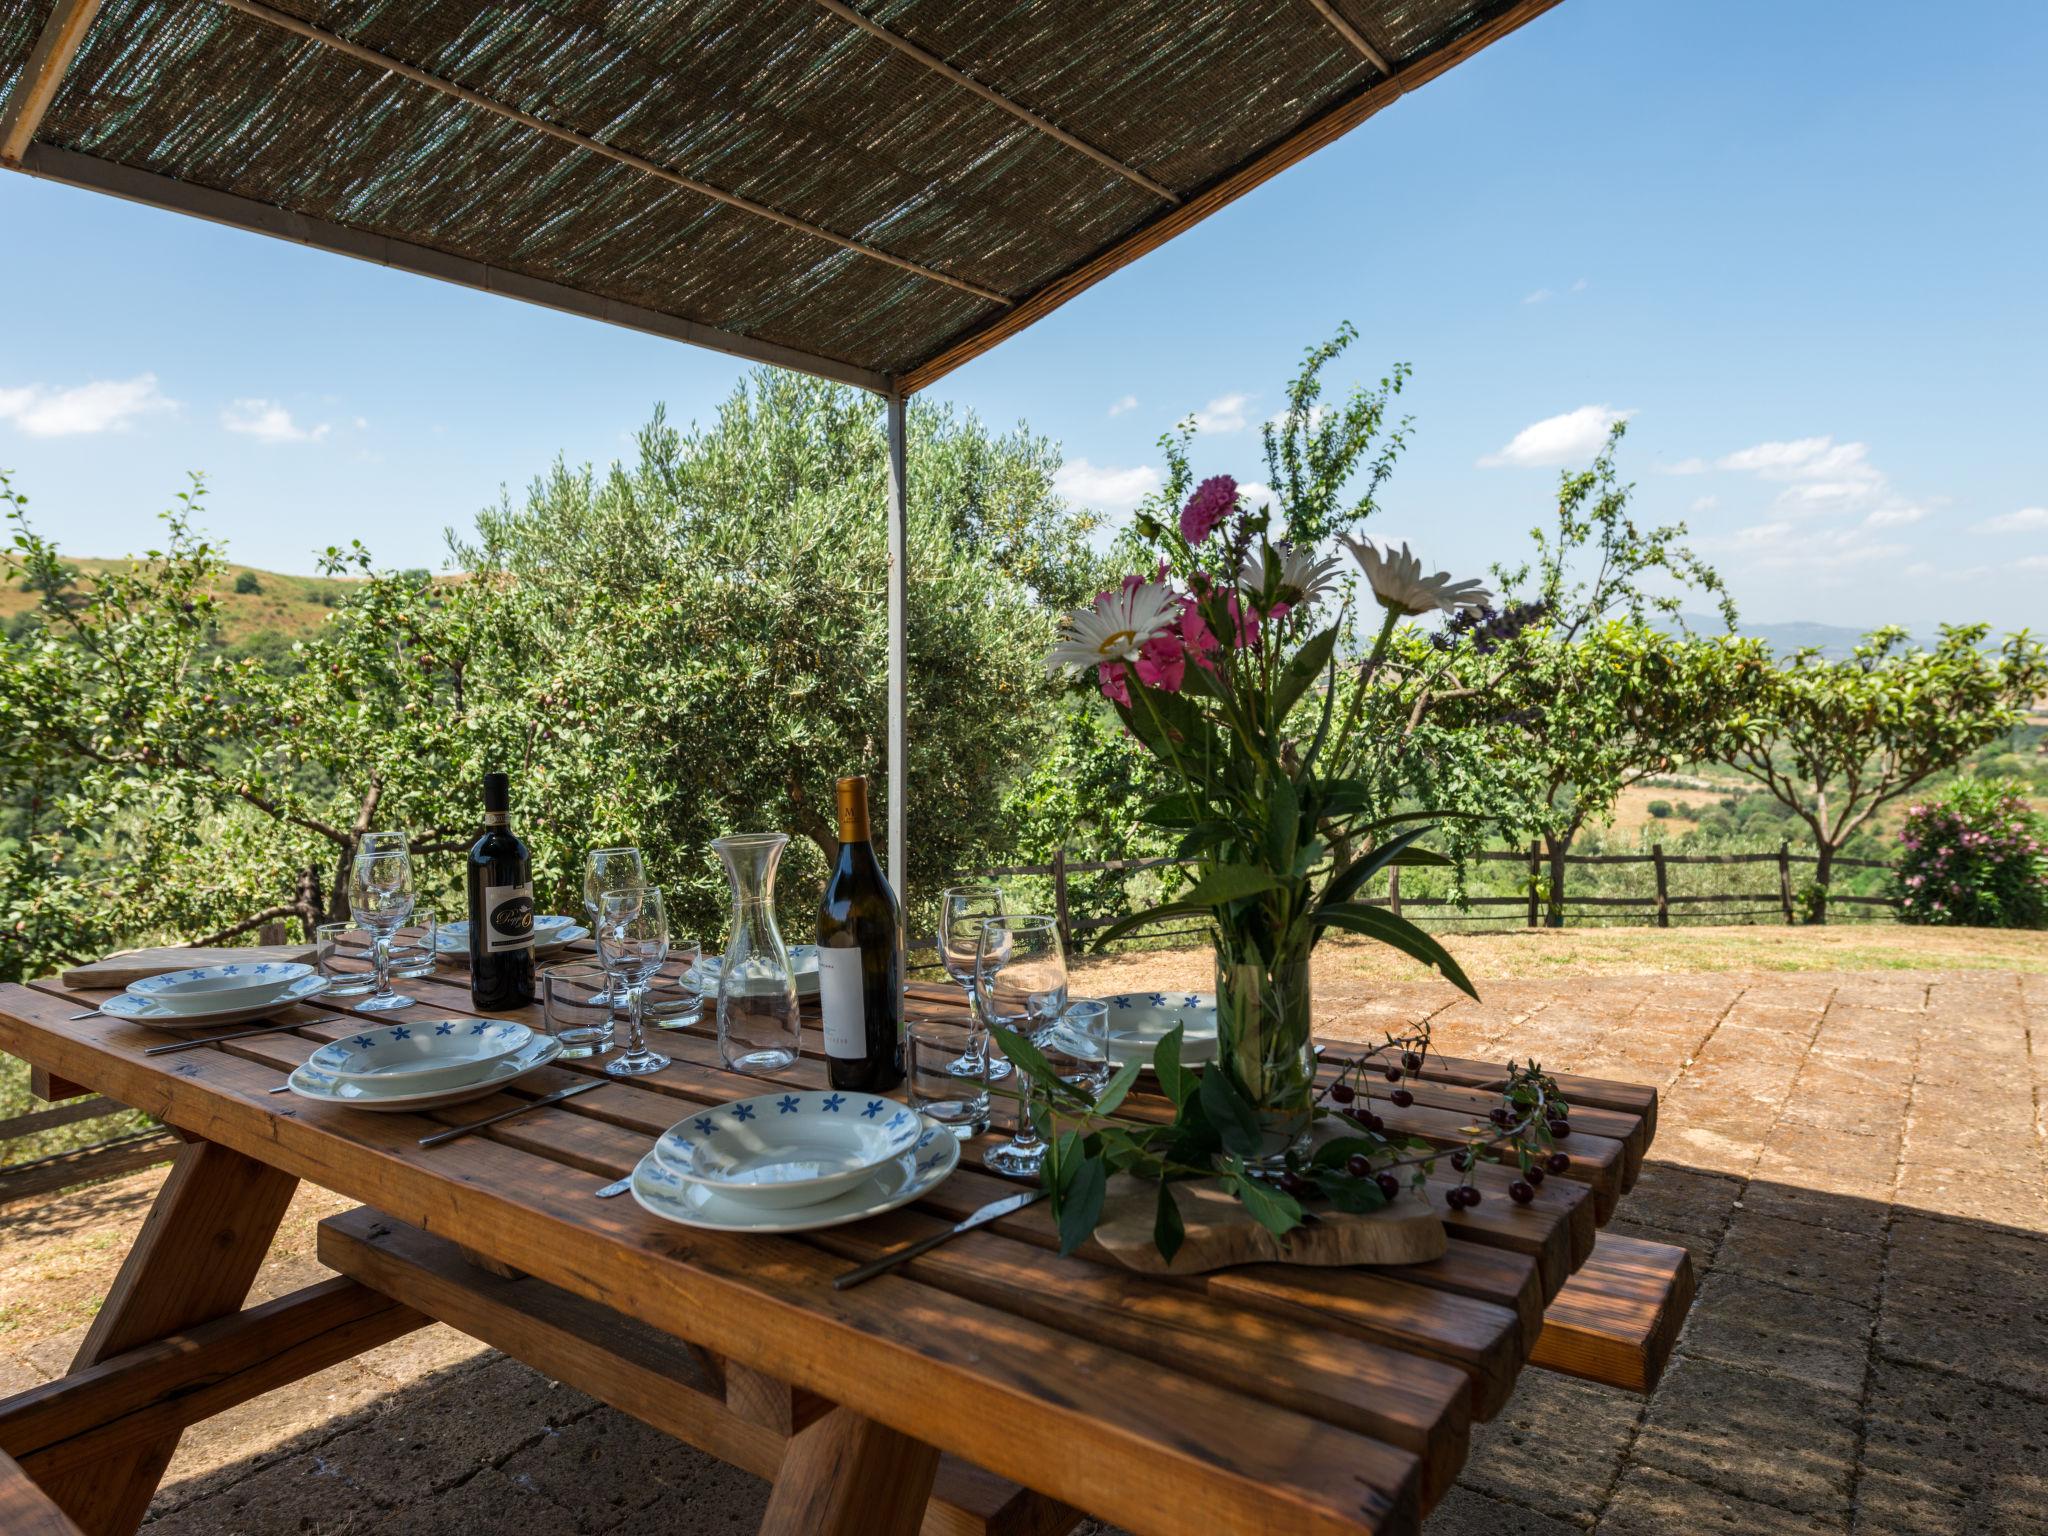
(141, 1011)
(550, 931)
(932, 1158)
(308, 1082)
(209, 989)
(785, 1149)
(803, 970)
(421, 1054)
(1138, 1021)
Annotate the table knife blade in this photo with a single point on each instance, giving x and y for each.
(994, 1210)
(542, 1102)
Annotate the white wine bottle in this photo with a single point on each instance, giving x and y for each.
(860, 958)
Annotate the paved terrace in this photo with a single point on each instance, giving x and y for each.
(1856, 1162)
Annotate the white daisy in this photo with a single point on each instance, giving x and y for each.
(1114, 626)
(1398, 582)
(1303, 578)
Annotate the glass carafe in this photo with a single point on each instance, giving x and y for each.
(758, 1027)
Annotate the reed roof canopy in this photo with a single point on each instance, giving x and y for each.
(875, 191)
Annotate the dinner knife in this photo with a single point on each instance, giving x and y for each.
(980, 1218)
(556, 1097)
(198, 1040)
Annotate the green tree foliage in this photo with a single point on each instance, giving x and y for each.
(1977, 856)
(1836, 741)
(690, 644)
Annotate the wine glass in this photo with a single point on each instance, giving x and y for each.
(1020, 982)
(610, 869)
(380, 898)
(632, 942)
(962, 911)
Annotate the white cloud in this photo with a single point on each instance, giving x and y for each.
(1705, 503)
(268, 422)
(1540, 296)
(1558, 439)
(1126, 403)
(2026, 520)
(1897, 515)
(2034, 563)
(105, 405)
(1806, 458)
(1820, 553)
(1579, 286)
(1258, 494)
(1223, 414)
(1105, 485)
(1684, 467)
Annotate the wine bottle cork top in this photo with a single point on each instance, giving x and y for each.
(853, 808)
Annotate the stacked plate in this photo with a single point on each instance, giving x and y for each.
(793, 1162)
(423, 1064)
(206, 995)
(1138, 1021)
(550, 933)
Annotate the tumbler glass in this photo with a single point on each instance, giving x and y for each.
(576, 1008)
(957, 1100)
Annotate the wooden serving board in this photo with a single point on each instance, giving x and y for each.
(118, 971)
(1221, 1232)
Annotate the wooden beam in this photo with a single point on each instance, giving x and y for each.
(37, 86)
(1353, 36)
(849, 1476)
(83, 1165)
(104, 1414)
(1617, 1319)
(95, 175)
(1304, 141)
(285, 23)
(25, 1510)
(939, 66)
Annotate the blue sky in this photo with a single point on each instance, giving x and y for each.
(1803, 246)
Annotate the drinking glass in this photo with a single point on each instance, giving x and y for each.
(328, 953)
(962, 911)
(610, 869)
(675, 996)
(380, 897)
(385, 842)
(1020, 981)
(632, 941)
(415, 946)
(759, 1030)
(1078, 1049)
(576, 1008)
(933, 1049)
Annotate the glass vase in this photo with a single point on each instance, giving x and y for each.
(758, 1027)
(1263, 1027)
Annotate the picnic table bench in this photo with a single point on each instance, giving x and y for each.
(989, 1386)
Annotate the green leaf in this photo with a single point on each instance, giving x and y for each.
(1397, 933)
(1082, 1207)
(1136, 920)
(1334, 1152)
(1175, 1080)
(1283, 821)
(1233, 1118)
(1119, 1086)
(1168, 1231)
(1346, 883)
(1026, 1056)
(1176, 810)
(1355, 1196)
(1222, 884)
(1422, 858)
(1303, 670)
(1279, 1214)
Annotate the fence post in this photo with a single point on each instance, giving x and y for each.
(1535, 877)
(1785, 878)
(1663, 888)
(1059, 899)
(270, 934)
(1394, 888)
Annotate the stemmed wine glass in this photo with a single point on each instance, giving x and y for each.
(380, 898)
(962, 911)
(610, 869)
(632, 943)
(1020, 982)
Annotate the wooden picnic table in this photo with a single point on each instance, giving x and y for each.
(989, 1386)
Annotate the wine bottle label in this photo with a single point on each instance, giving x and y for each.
(508, 917)
(839, 998)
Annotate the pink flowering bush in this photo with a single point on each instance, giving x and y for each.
(1975, 857)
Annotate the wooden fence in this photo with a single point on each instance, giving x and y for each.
(1657, 907)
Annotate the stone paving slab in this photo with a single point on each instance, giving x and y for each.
(1855, 1162)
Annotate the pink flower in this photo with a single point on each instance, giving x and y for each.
(1196, 637)
(1247, 620)
(1212, 502)
(1162, 664)
(1110, 678)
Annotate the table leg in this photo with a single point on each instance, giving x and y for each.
(193, 1261)
(849, 1476)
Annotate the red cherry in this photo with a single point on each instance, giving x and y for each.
(1402, 1098)
(1389, 1185)
(1534, 1174)
(1521, 1192)
(1358, 1164)
(1412, 1060)
(1393, 1074)
(1343, 1093)
(1560, 1162)
(1559, 1129)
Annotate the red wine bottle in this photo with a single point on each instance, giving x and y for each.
(860, 958)
(500, 907)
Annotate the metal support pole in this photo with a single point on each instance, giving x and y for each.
(899, 595)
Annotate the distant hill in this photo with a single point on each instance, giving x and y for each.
(291, 606)
(1832, 640)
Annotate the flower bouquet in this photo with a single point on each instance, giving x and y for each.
(1228, 664)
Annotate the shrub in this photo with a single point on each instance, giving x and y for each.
(1660, 808)
(246, 582)
(1974, 857)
